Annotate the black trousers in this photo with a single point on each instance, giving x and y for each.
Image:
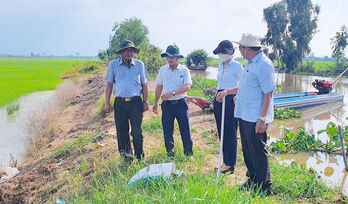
(255, 154)
(178, 109)
(229, 148)
(129, 112)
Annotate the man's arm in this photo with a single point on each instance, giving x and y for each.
(181, 90)
(108, 91)
(145, 94)
(226, 92)
(158, 92)
(260, 124)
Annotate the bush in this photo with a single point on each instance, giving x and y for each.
(197, 57)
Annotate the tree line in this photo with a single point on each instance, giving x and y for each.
(291, 25)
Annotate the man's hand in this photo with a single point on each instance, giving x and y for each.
(108, 108)
(166, 96)
(260, 126)
(154, 108)
(221, 95)
(146, 106)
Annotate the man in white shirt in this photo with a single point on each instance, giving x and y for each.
(173, 81)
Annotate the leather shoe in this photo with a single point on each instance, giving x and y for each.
(229, 170)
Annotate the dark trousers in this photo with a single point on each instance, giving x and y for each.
(255, 154)
(229, 148)
(176, 109)
(125, 112)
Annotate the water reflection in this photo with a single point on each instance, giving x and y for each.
(12, 128)
(329, 167)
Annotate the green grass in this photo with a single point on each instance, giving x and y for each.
(20, 76)
(109, 184)
(153, 125)
(11, 108)
(204, 83)
(296, 182)
(73, 148)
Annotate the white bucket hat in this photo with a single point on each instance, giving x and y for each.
(249, 40)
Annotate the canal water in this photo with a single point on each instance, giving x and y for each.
(12, 128)
(329, 167)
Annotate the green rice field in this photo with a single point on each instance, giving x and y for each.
(20, 76)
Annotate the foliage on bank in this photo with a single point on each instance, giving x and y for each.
(286, 113)
(78, 70)
(197, 58)
(134, 30)
(303, 141)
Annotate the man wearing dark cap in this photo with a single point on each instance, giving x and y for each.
(229, 74)
(128, 79)
(173, 81)
(254, 109)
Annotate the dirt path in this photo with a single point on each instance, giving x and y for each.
(39, 177)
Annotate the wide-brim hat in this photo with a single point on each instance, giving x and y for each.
(172, 51)
(249, 40)
(224, 47)
(127, 44)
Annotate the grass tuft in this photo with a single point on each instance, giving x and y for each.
(13, 107)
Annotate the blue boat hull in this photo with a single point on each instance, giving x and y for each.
(304, 99)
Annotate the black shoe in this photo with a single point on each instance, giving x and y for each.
(229, 170)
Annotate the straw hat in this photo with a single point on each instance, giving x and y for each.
(249, 40)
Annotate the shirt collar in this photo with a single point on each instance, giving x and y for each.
(178, 67)
(256, 58)
(121, 62)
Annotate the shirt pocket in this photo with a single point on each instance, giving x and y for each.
(178, 80)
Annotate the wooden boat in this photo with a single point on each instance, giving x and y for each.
(198, 67)
(287, 100)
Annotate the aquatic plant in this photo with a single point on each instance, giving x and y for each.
(286, 113)
(303, 141)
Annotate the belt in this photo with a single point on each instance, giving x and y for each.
(173, 102)
(128, 99)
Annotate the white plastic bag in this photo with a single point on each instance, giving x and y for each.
(153, 172)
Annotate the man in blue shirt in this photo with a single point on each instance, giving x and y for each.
(128, 79)
(173, 81)
(254, 108)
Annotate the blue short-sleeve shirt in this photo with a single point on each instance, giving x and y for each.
(257, 80)
(229, 76)
(172, 80)
(128, 81)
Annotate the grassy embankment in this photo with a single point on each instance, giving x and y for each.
(20, 76)
(102, 178)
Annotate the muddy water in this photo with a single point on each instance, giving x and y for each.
(12, 128)
(329, 167)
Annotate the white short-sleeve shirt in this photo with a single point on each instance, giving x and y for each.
(229, 76)
(172, 80)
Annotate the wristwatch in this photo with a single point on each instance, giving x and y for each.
(263, 119)
(173, 92)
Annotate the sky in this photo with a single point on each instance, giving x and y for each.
(67, 27)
